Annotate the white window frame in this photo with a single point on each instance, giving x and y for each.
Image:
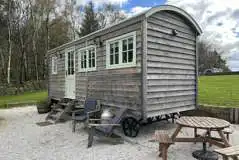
(54, 65)
(87, 69)
(120, 40)
(71, 49)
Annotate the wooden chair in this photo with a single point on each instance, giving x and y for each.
(165, 141)
(91, 106)
(105, 131)
(229, 152)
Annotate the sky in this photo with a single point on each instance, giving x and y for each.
(219, 20)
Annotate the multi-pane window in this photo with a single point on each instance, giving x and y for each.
(70, 63)
(114, 53)
(127, 50)
(54, 65)
(121, 51)
(87, 59)
(83, 59)
(91, 58)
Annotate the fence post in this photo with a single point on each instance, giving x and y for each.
(236, 115)
(231, 114)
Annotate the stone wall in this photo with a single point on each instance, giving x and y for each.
(229, 114)
(14, 89)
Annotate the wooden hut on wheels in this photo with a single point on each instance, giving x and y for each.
(146, 63)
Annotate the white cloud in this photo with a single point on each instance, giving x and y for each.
(139, 9)
(219, 20)
(100, 2)
(136, 10)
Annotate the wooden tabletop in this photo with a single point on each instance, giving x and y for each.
(203, 122)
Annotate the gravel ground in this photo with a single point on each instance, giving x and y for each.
(22, 139)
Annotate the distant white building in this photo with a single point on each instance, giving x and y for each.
(212, 70)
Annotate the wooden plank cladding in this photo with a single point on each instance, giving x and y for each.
(56, 81)
(114, 87)
(161, 78)
(171, 68)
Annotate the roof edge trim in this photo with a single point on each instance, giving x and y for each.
(177, 10)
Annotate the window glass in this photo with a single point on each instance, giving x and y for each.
(87, 59)
(130, 44)
(124, 45)
(127, 50)
(130, 56)
(124, 59)
(114, 53)
(93, 58)
(121, 51)
(54, 65)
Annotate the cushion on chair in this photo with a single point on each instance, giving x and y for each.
(90, 105)
(108, 129)
(115, 120)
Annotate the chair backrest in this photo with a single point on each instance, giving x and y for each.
(90, 105)
(115, 120)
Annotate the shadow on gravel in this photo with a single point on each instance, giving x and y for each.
(3, 123)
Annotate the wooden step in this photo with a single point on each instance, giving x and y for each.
(50, 120)
(64, 104)
(58, 109)
(53, 116)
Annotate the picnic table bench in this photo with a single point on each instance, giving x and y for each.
(165, 141)
(206, 123)
(232, 152)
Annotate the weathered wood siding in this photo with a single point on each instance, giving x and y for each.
(171, 64)
(56, 83)
(114, 87)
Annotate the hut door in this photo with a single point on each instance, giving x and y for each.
(70, 74)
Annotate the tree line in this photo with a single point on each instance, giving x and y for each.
(29, 28)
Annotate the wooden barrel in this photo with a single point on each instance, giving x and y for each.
(43, 107)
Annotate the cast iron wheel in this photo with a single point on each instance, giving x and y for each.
(150, 120)
(130, 127)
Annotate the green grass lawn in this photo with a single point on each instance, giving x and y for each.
(220, 90)
(23, 99)
(213, 90)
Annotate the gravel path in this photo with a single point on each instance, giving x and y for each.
(22, 139)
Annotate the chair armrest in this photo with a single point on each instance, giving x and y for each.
(78, 110)
(93, 121)
(91, 112)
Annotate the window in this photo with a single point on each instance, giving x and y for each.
(121, 51)
(70, 62)
(87, 59)
(54, 65)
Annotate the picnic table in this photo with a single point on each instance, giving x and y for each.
(208, 124)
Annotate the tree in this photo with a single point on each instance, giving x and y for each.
(210, 57)
(90, 22)
(9, 26)
(3, 38)
(109, 14)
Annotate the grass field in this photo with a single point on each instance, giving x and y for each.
(24, 99)
(213, 90)
(220, 90)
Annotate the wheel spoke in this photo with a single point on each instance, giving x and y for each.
(131, 127)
